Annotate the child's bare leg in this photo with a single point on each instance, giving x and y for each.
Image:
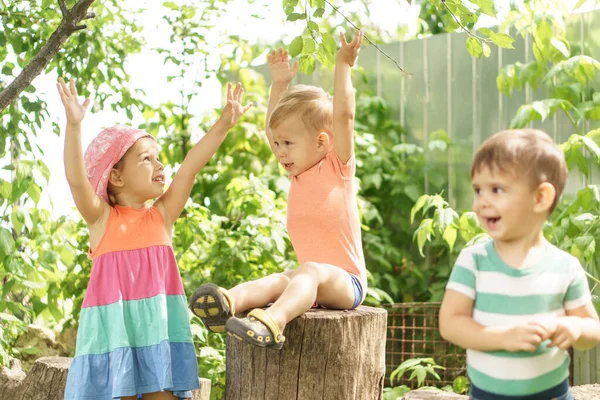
(260, 292)
(330, 286)
(159, 396)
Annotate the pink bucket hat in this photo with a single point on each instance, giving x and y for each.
(105, 151)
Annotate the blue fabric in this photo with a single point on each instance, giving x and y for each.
(558, 392)
(130, 371)
(358, 291)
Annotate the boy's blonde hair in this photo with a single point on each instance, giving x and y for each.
(528, 152)
(311, 103)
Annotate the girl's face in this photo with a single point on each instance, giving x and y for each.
(142, 175)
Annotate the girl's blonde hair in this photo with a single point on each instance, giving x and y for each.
(311, 103)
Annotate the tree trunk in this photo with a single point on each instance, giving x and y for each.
(327, 355)
(48, 378)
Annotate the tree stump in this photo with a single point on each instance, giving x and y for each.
(48, 378)
(328, 354)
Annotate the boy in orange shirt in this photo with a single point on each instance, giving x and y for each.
(311, 135)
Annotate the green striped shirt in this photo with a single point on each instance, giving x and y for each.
(506, 296)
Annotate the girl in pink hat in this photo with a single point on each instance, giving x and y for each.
(134, 334)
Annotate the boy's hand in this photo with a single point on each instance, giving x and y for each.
(566, 332)
(68, 94)
(524, 337)
(279, 66)
(348, 52)
(233, 111)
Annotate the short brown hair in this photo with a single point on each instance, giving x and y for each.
(311, 103)
(528, 151)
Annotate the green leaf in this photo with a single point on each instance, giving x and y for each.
(486, 6)
(503, 40)
(296, 46)
(319, 12)
(418, 205)
(7, 243)
(18, 219)
(460, 384)
(487, 32)
(309, 46)
(560, 46)
(312, 26)
(450, 236)
(30, 350)
(474, 47)
(35, 193)
(486, 49)
(423, 233)
(444, 217)
(329, 43)
(421, 375)
(296, 16)
(171, 5)
(579, 4)
(5, 189)
(307, 64)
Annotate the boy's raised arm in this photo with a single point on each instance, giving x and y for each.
(344, 103)
(171, 203)
(281, 76)
(90, 205)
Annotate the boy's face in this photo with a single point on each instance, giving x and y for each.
(296, 148)
(504, 204)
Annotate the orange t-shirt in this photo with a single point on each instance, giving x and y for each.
(322, 217)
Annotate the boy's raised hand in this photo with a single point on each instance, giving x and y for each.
(348, 52)
(279, 66)
(233, 110)
(73, 108)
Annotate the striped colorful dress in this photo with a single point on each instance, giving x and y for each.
(134, 333)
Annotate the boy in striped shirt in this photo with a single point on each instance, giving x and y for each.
(516, 302)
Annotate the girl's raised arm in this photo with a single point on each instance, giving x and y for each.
(91, 206)
(171, 203)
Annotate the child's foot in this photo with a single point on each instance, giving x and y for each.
(213, 305)
(257, 328)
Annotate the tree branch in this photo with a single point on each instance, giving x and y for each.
(63, 7)
(68, 25)
(366, 37)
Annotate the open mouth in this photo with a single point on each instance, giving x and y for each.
(287, 165)
(492, 222)
(160, 179)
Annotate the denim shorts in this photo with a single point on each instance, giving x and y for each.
(558, 392)
(358, 291)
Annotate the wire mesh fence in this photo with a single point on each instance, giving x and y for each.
(413, 332)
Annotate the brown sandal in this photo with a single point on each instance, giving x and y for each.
(258, 328)
(213, 305)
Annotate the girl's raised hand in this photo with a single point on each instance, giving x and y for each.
(233, 110)
(348, 52)
(279, 66)
(73, 108)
